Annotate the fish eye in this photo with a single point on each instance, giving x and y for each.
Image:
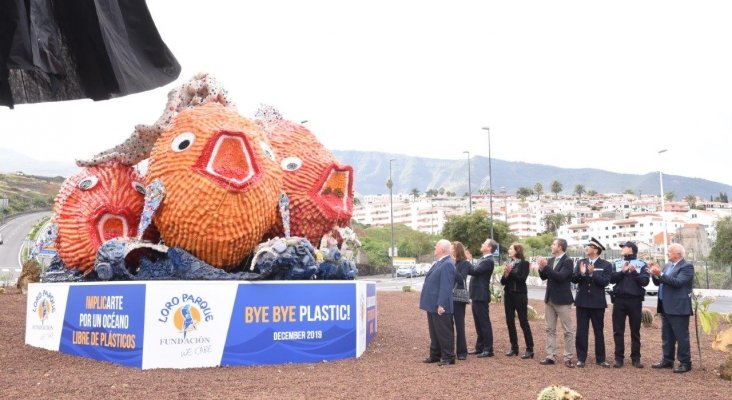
(267, 151)
(183, 141)
(291, 163)
(88, 182)
(138, 187)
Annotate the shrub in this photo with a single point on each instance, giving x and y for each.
(647, 317)
(407, 288)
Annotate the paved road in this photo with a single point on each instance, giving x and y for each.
(385, 282)
(14, 233)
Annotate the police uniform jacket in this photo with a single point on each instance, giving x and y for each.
(630, 284)
(591, 289)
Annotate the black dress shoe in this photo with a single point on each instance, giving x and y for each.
(462, 357)
(430, 360)
(568, 364)
(637, 364)
(446, 362)
(512, 353)
(476, 352)
(618, 364)
(486, 354)
(663, 364)
(527, 355)
(682, 368)
(580, 364)
(547, 361)
(604, 364)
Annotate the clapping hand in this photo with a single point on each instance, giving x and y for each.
(506, 269)
(626, 267)
(655, 269)
(590, 268)
(582, 267)
(541, 262)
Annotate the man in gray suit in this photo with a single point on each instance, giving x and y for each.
(436, 300)
(674, 304)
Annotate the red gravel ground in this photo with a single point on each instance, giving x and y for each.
(390, 368)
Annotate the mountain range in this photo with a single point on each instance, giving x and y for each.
(371, 170)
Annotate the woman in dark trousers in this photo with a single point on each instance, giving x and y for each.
(462, 265)
(515, 299)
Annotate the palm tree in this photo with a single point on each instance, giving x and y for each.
(691, 199)
(415, 193)
(670, 196)
(592, 193)
(556, 188)
(579, 189)
(552, 222)
(538, 190)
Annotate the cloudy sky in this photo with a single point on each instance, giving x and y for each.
(574, 84)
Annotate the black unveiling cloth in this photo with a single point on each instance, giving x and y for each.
(52, 50)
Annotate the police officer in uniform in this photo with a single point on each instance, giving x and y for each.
(630, 275)
(592, 275)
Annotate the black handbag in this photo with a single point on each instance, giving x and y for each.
(460, 295)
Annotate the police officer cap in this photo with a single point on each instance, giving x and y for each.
(596, 243)
(631, 245)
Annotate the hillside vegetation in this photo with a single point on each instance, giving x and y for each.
(28, 192)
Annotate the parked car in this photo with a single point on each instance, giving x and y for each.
(423, 268)
(1, 238)
(407, 271)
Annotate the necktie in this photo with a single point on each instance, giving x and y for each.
(667, 270)
(554, 264)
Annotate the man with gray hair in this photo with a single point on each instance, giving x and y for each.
(674, 288)
(436, 300)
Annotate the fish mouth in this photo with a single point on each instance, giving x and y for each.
(332, 192)
(228, 160)
(111, 224)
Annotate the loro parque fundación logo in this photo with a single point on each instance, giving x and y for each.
(186, 314)
(43, 306)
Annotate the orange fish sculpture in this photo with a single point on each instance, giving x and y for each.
(97, 204)
(221, 183)
(220, 178)
(320, 189)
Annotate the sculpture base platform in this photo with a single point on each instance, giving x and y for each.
(190, 324)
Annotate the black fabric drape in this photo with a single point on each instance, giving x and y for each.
(72, 49)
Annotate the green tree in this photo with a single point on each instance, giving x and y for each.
(628, 191)
(669, 196)
(356, 201)
(592, 192)
(556, 188)
(473, 229)
(579, 190)
(441, 191)
(415, 193)
(538, 245)
(691, 200)
(722, 248)
(553, 222)
(450, 194)
(524, 192)
(431, 193)
(538, 190)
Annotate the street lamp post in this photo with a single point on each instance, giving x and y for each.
(663, 208)
(490, 179)
(470, 189)
(505, 203)
(390, 184)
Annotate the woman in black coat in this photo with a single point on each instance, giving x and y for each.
(515, 299)
(462, 266)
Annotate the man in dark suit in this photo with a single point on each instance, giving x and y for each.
(436, 300)
(592, 275)
(481, 298)
(674, 304)
(557, 272)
